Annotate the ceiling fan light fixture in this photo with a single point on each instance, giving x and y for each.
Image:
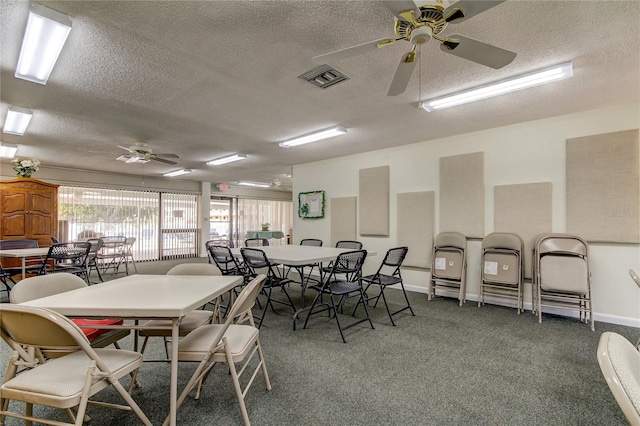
(313, 137)
(225, 160)
(45, 35)
(525, 81)
(17, 120)
(177, 173)
(254, 184)
(8, 150)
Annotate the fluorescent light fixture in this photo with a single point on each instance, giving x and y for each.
(8, 150)
(313, 137)
(46, 33)
(17, 120)
(177, 173)
(524, 81)
(227, 159)
(254, 184)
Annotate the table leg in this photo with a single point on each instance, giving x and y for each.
(175, 336)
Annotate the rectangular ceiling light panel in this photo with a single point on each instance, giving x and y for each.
(177, 173)
(313, 137)
(227, 159)
(514, 84)
(254, 184)
(17, 120)
(44, 37)
(8, 150)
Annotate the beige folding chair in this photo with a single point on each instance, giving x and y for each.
(229, 343)
(48, 285)
(561, 275)
(620, 365)
(127, 254)
(502, 268)
(449, 265)
(64, 382)
(191, 321)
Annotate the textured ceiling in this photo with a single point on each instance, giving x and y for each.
(209, 78)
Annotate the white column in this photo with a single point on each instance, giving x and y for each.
(205, 202)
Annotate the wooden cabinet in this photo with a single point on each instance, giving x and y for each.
(29, 210)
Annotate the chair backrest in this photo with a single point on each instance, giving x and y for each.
(256, 242)
(503, 240)
(129, 242)
(75, 252)
(221, 242)
(348, 244)
(194, 269)
(247, 297)
(348, 265)
(561, 264)
(311, 242)
(224, 259)
(54, 240)
(96, 245)
(451, 239)
(255, 258)
(44, 285)
(27, 326)
(620, 365)
(18, 244)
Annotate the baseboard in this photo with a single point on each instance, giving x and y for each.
(511, 303)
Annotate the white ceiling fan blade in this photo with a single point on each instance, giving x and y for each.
(132, 160)
(348, 52)
(470, 8)
(125, 148)
(398, 6)
(403, 73)
(477, 51)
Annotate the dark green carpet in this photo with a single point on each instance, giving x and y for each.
(446, 365)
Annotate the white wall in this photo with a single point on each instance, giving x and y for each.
(522, 153)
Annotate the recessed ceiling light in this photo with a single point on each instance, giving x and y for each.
(44, 37)
(177, 173)
(17, 120)
(313, 137)
(227, 159)
(524, 81)
(254, 184)
(8, 150)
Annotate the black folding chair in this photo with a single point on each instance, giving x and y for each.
(388, 274)
(257, 262)
(67, 257)
(5, 279)
(32, 266)
(344, 279)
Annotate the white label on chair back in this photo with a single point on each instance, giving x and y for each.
(490, 268)
(441, 263)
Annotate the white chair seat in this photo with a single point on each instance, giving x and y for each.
(240, 340)
(65, 377)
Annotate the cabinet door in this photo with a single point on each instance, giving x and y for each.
(41, 217)
(14, 215)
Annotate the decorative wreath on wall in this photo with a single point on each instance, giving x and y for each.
(311, 205)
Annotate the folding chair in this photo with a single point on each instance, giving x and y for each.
(449, 265)
(190, 322)
(257, 262)
(502, 272)
(112, 254)
(67, 257)
(344, 279)
(92, 258)
(127, 254)
(48, 285)
(64, 382)
(561, 275)
(231, 343)
(256, 242)
(388, 274)
(344, 244)
(620, 365)
(6, 278)
(33, 266)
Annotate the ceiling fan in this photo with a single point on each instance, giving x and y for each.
(417, 25)
(140, 152)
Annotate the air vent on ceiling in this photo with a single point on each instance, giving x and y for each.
(324, 76)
